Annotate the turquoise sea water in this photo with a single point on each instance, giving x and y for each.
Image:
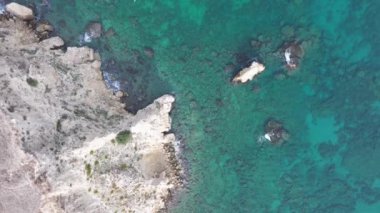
(330, 105)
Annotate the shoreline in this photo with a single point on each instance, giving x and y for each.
(71, 151)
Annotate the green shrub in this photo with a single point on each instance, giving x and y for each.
(123, 166)
(123, 137)
(88, 169)
(59, 126)
(32, 82)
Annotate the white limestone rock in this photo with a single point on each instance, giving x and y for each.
(53, 42)
(247, 74)
(68, 119)
(19, 11)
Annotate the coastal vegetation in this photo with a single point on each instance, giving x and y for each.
(123, 137)
(32, 82)
(87, 167)
(123, 166)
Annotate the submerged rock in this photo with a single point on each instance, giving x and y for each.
(149, 52)
(256, 44)
(288, 31)
(279, 75)
(43, 30)
(19, 11)
(255, 88)
(275, 133)
(110, 32)
(93, 30)
(229, 67)
(247, 74)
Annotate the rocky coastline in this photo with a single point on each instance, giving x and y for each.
(67, 143)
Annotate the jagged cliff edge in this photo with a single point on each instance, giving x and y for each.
(58, 129)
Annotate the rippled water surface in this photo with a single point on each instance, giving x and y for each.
(330, 105)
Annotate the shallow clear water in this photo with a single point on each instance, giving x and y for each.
(330, 105)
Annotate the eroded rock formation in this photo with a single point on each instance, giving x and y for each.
(19, 11)
(58, 131)
(248, 73)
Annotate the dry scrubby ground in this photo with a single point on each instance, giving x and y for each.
(58, 128)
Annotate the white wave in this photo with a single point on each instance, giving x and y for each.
(287, 56)
(111, 83)
(263, 139)
(85, 38)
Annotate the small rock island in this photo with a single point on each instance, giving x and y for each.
(248, 73)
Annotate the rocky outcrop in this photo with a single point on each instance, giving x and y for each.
(94, 30)
(59, 130)
(19, 11)
(52, 43)
(293, 54)
(275, 133)
(247, 74)
(44, 29)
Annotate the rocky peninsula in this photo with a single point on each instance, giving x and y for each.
(67, 144)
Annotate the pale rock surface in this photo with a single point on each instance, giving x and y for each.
(53, 42)
(18, 192)
(57, 133)
(248, 73)
(19, 11)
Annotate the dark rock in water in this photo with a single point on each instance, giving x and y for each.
(327, 150)
(242, 59)
(293, 54)
(256, 88)
(279, 75)
(149, 52)
(219, 102)
(94, 30)
(275, 133)
(288, 31)
(110, 32)
(44, 29)
(193, 104)
(215, 54)
(62, 23)
(256, 44)
(229, 67)
(207, 129)
(131, 70)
